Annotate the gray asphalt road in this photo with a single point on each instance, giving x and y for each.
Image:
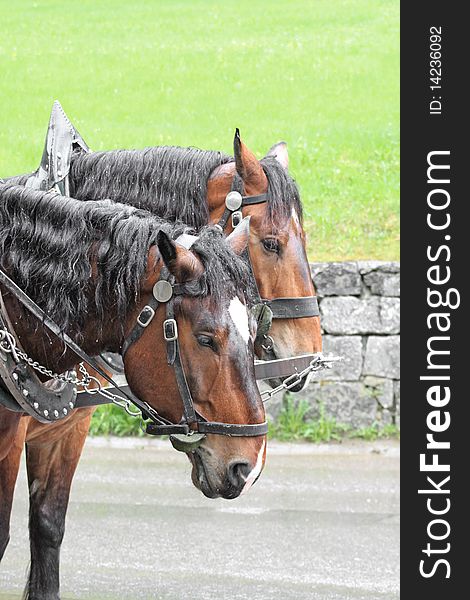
(321, 523)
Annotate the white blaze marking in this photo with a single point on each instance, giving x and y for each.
(295, 217)
(254, 472)
(239, 316)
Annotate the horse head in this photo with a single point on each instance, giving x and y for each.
(277, 244)
(216, 335)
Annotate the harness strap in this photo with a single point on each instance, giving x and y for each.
(56, 330)
(7, 400)
(144, 319)
(174, 356)
(250, 200)
(233, 429)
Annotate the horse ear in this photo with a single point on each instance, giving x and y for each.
(279, 151)
(248, 166)
(238, 239)
(167, 248)
(180, 262)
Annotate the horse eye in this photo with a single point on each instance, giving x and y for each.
(271, 245)
(205, 340)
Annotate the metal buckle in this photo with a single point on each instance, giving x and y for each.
(268, 343)
(236, 218)
(170, 330)
(145, 316)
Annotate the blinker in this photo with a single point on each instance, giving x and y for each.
(186, 442)
(264, 318)
(236, 218)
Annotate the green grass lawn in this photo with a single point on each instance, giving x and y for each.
(319, 74)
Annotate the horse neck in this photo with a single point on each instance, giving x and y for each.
(46, 348)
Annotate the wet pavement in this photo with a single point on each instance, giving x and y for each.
(321, 523)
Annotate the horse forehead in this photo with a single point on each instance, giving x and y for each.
(294, 230)
(264, 227)
(220, 315)
(283, 228)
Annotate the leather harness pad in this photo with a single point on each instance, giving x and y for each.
(26, 393)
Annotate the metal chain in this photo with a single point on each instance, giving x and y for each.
(8, 344)
(318, 363)
(99, 389)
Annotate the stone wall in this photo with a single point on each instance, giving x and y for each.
(360, 317)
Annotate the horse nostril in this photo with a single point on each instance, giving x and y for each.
(238, 472)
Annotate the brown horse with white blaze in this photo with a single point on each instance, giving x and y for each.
(93, 267)
(277, 247)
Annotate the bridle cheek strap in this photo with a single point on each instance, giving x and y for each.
(170, 332)
(282, 308)
(143, 320)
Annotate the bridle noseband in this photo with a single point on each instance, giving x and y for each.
(192, 422)
(277, 308)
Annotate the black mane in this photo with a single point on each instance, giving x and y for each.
(172, 182)
(47, 243)
(165, 180)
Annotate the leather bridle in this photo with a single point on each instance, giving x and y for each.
(164, 292)
(277, 308)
